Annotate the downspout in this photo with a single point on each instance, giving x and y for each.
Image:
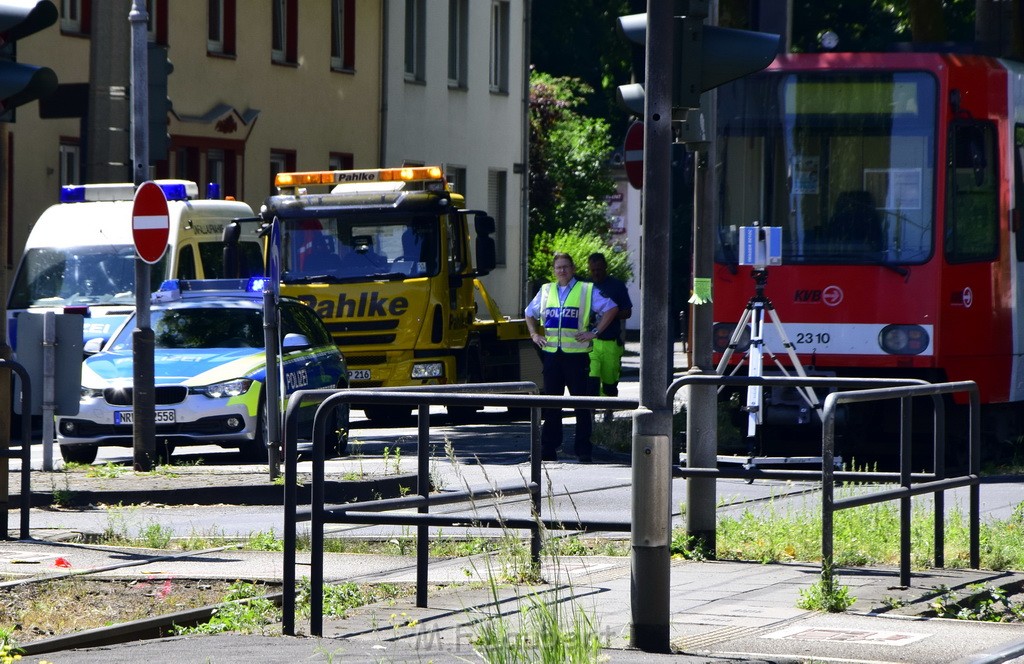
(385, 31)
(524, 252)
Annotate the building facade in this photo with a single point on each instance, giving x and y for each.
(264, 86)
(455, 94)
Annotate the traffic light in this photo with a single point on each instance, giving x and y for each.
(22, 83)
(704, 57)
(159, 103)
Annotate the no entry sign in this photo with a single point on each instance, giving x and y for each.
(633, 146)
(150, 222)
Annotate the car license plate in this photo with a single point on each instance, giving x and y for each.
(128, 417)
(359, 374)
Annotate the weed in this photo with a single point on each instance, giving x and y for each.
(245, 610)
(155, 536)
(987, 604)
(891, 602)
(62, 497)
(688, 547)
(392, 460)
(264, 541)
(339, 599)
(545, 630)
(826, 594)
(109, 470)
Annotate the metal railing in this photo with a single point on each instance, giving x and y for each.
(24, 452)
(911, 484)
(374, 512)
(830, 505)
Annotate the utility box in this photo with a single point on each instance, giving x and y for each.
(67, 365)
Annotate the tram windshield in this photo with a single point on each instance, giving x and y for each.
(843, 162)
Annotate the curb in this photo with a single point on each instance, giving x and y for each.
(341, 491)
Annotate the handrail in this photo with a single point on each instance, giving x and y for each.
(870, 389)
(498, 394)
(830, 505)
(25, 450)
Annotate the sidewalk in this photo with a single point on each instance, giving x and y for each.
(720, 611)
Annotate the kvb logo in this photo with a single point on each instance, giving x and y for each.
(832, 295)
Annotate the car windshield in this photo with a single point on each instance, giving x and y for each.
(355, 246)
(66, 276)
(186, 327)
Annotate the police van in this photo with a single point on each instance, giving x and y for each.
(80, 254)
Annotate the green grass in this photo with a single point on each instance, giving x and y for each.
(863, 536)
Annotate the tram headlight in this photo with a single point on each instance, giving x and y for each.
(722, 333)
(903, 339)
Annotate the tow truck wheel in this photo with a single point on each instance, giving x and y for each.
(388, 415)
(84, 454)
(462, 414)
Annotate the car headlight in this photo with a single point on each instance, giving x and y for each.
(91, 392)
(903, 339)
(229, 388)
(428, 370)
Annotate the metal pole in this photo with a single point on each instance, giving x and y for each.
(273, 387)
(6, 352)
(422, 488)
(652, 423)
(702, 401)
(143, 378)
(49, 371)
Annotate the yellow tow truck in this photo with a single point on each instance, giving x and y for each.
(384, 257)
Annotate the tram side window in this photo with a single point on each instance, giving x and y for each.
(972, 218)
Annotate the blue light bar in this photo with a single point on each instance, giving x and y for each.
(173, 191)
(72, 194)
(257, 284)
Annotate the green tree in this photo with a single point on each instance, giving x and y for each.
(569, 177)
(578, 38)
(579, 246)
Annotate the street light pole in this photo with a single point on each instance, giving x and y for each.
(652, 423)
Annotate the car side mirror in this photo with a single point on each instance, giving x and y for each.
(294, 341)
(93, 346)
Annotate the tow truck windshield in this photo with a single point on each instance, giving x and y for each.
(355, 247)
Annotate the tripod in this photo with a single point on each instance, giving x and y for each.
(754, 317)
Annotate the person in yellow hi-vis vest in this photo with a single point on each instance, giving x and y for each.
(563, 309)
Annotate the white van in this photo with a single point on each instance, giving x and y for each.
(80, 254)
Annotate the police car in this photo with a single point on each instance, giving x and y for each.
(210, 369)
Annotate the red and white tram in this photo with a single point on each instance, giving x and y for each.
(898, 182)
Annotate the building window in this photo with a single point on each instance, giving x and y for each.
(70, 162)
(499, 46)
(220, 38)
(215, 168)
(74, 16)
(340, 161)
(281, 161)
(458, 42)
(156, 28)
(206, 161)
(285, 36)
(497, 197)
(415, 40)
(343, 35)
